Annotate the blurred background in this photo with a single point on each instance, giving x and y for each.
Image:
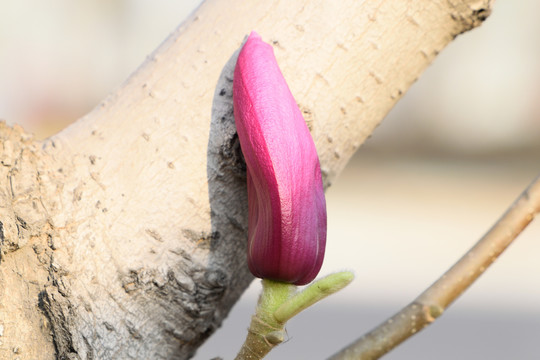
(444, 165)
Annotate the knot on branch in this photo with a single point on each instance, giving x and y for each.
(471, 14)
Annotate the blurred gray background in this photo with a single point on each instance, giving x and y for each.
(443, 166)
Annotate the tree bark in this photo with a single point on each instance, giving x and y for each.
(123, 236)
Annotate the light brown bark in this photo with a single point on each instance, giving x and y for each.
(123, 236)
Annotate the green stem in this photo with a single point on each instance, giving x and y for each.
(277, 304)
(265, 331)
(312, 294)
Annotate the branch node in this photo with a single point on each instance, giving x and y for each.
(434, 312)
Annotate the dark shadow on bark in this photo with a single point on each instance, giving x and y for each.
(226, 174)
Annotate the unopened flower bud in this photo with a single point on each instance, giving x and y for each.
(287, 208)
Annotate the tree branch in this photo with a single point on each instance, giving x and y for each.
(434, 300)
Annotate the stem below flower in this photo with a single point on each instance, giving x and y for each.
(265, 331)
(278, 303)
(312, 294)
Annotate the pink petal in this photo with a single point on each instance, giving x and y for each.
(287, 208)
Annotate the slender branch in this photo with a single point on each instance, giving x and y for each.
(434, 300)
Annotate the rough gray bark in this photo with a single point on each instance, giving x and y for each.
(124, 235)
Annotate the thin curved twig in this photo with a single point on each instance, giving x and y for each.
(435, 299)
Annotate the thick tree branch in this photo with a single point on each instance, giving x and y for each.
(434, 300)
(134, 217)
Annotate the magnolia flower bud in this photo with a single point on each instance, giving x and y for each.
(287, 208)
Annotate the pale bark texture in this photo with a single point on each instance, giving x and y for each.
(124, 235)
